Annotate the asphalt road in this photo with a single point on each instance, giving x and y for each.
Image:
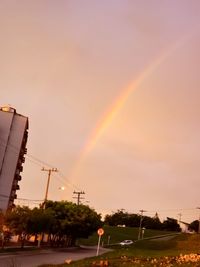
(35, 258)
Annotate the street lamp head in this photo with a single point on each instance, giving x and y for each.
(62, 188)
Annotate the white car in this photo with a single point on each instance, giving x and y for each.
(126, 242)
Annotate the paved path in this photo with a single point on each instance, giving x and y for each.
(164, 237)
(35, 258)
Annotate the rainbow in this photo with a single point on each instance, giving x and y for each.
(120, 101)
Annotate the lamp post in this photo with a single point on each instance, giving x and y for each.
(140, 227)
(61, 188)
(143, 228)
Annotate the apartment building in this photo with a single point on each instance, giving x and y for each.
(13, 139)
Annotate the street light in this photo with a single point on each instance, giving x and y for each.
(143, 228)
(140, 227)
(61, 188)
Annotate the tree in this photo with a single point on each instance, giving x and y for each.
(39, 221)
(118, 218)
(17, 221)
(1, 220)
(63, 221)
(194, 226)
(132, 220)
(171, 225)
(71, 221)
(152, 222)
(1, 228)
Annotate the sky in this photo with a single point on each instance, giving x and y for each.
(111, 90)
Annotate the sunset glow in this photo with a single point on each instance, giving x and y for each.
(111, 90)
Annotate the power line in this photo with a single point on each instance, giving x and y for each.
(68, 181)
(40, 163)
(175, 210)
(26, 199)
(65, 180)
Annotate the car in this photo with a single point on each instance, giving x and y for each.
(126, 242)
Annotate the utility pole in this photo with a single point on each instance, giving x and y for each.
(180, 215)
(48, 181)
(79, 193)
(140, 227)
(199, 222)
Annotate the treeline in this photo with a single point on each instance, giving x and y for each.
(133, 220)
(62, 222)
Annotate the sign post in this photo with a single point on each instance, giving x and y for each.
(100, 232)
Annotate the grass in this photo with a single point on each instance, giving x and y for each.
(148, 253)
(115, 235)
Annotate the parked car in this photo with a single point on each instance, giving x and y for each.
(126, 242)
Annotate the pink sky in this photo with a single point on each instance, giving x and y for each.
(63, 64)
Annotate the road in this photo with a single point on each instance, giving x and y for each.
(35, 258)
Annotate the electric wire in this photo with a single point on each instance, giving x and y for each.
(41, 163)
(66, 181)
(26, 199)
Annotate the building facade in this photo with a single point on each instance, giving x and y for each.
(13, 139)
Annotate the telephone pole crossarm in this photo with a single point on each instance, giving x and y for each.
(79, 193)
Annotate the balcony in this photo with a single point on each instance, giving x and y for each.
(20, 168)
(13, 195)
(15, 187)
(17, 176)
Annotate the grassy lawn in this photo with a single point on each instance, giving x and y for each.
(154, 253)
(149, 253)
(115, 235)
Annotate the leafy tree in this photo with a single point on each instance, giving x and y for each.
(17, 221)
(152, 222)
(194, 226)
(120, 218)
(39, 221)
(171, 225)
(71, 221)
(1, 228)
(63, 221)
(132, 220)
(1, 220)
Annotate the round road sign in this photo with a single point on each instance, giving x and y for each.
(100, 231)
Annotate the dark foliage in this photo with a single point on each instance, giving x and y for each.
(133, 220)
(63, 222)
(194, 226)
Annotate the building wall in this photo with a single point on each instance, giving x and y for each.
(13, 137)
